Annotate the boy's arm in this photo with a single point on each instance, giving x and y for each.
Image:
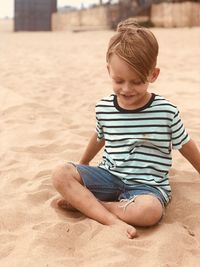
(92, 149)
(191, 152)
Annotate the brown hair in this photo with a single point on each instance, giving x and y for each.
(136, 45)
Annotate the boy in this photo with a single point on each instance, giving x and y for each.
(137, 129)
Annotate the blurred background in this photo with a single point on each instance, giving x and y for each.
(61, 15)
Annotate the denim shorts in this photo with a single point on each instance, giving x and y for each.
(108, 187)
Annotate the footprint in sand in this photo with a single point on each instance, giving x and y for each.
(43, 173)
(47, 134)
(12, 218)
(19, 182)
(41, 149)
(7, 244)
(39, 196)
(57, 238)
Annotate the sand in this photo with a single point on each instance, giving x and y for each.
(49, 84)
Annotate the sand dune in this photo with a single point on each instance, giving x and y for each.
(49, 84)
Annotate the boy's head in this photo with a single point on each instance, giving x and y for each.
(136, 45)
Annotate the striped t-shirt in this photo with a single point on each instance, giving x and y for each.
(138, 143)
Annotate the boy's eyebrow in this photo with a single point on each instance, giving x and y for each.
(133, 80)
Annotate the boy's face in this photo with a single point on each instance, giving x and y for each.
(131, 92)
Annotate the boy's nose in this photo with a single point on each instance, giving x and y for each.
(127, 89)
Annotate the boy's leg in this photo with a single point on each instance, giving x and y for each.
(145, 210)
(69, 184)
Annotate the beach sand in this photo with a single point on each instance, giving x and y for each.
(49, 84)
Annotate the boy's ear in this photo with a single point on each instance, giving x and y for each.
(154, 75)
(108, 68)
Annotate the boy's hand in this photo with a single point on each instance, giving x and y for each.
(91, 150)
(191, 152)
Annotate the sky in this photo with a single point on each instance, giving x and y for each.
(7, 6)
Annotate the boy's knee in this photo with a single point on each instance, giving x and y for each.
(152, 213)
(153, 217)
(149, 213)
(60, 174)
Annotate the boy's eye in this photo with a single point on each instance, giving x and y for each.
(137, 82)
(133, 82)
(118, 81)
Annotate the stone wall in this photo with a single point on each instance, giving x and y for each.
(186, 14)
(94, 17)
(101, 17)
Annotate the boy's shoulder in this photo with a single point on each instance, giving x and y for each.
(106, 101)
(161, 101)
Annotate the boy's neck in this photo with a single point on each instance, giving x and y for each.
(137, 105)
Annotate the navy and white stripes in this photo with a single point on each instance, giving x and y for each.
(138, 142)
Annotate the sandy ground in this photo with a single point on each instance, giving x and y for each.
(49, 84)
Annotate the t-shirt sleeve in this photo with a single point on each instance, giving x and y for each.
(99, 131)
(99, 128)
(178, 131)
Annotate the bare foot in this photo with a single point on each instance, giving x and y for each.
(124, 227)
(63, 204)
(131, 232)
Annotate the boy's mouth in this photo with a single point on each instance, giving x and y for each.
(128, 96)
